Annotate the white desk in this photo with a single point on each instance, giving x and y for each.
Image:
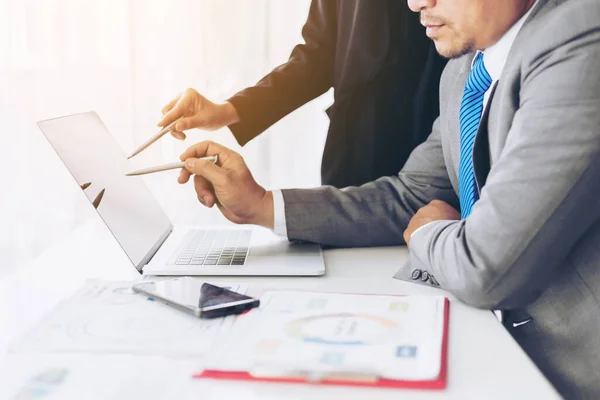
(484, 361)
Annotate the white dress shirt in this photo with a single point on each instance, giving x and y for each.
(280, 227)
(494, 59)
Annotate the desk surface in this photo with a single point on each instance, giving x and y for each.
(484, 360)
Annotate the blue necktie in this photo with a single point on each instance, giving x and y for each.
(478, 83)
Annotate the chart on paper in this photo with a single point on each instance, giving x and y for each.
(388, 336)
(109, 317)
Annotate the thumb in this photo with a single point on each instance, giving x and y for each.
(206, 169)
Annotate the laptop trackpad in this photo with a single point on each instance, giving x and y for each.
(283, 248)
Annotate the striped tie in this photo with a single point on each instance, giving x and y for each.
(478, 83)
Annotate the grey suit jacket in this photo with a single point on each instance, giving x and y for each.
(531, 246)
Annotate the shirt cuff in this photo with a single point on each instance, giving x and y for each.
(280, 227)
(419, 228)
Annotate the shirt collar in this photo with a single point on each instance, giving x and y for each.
(494, 57)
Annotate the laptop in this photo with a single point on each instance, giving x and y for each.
(144, 231)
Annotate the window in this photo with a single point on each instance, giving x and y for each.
(125, 59)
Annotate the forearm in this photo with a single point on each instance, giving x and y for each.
(274, 97)
(375, 214)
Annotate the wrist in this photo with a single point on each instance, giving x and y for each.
(265, 214)
(230, 114)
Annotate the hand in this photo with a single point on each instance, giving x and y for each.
(197, 112)
(228, 184)
(437, 210)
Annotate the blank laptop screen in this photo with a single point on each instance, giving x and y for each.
(98, 164)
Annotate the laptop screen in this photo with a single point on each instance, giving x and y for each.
(98, 164)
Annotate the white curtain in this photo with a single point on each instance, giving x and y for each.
(125, 59)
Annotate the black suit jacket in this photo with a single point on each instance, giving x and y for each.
(385, 74)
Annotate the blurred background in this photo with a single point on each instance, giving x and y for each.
(125, 59)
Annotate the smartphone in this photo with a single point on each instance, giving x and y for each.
(197, 297)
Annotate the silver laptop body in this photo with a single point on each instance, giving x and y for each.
(144, 231)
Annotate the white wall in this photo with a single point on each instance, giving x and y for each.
(125, 59)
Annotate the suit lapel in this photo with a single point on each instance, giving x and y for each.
(481, 147)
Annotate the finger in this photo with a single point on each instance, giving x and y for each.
(196, 121)
(204, 191)
(173, 114)
(208, 148)
(178, 135)
(169, 105)
(184, 176)
(424, 211)
(206, 169)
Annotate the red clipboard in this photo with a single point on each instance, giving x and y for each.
(439, 383)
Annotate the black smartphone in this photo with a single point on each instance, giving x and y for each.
(197, 297)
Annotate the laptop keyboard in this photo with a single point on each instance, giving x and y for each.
(216, 247)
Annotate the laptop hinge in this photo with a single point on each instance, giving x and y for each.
(153, 250)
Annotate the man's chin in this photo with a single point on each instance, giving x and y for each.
(447, 50)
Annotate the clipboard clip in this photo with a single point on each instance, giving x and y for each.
(352, 373)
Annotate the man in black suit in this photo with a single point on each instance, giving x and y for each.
(385, 74)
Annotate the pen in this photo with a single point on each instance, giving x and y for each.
(166, 167)
(153, 139)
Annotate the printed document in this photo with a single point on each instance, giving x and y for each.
(293, 332)
(108, 317)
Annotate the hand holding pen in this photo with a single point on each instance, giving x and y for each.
(192, 110)
(187, 111)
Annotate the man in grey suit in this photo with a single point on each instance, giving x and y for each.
(516, 149)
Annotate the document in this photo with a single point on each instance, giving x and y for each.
(295, 333)
(108, 317)
(95, 377)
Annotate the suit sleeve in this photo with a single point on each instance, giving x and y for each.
(374, 214)
(306, 75)
(541, 196)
